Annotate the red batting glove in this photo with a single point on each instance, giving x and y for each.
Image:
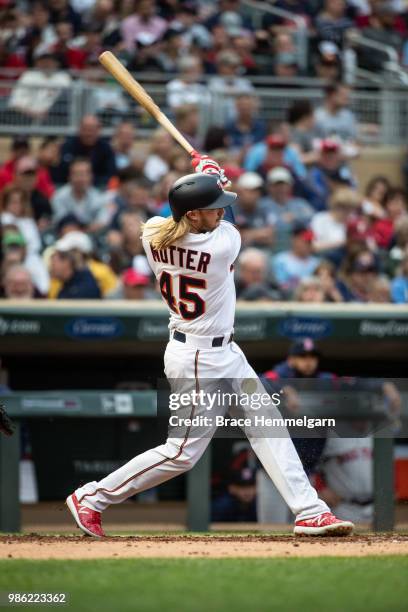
(203, 163)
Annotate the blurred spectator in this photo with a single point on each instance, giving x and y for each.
(376, 190)
(69, 56)
(334, 117)
(246, 128)
(15, 252)
(160, 152)
(381, 28)
(108, 102)
(18, 284)
(34, 182)
(395, 208)
(252, 281)
(287, 209)
(399, 285)
(358, 274)
(188, 122)
(88, 144)
(38, 89)
(238, 501)
(332, 22)
(252, 215)
(16, 211)
(380, 291)
(145, 21)
(216, 138)
(327, 63)
(228, 82)
(274, 151)
(135, 196)
(80, 245)
(40, 32)
(123, 141)
(61, 10)
(326, 273)
(135, 286)
(80, 198)
(105, 15)
(400, 249)
(329, 173)
(124, 244)
(302, 130)
(310, 290)
(19, 147)
(170, 56)
(290, 267)
(68, 266)
(330, 227)
(186, 87)
(285, 59)
(194, 33)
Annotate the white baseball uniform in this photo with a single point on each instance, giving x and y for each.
(347, 466)
(197, 283)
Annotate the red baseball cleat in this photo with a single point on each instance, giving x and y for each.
(325, 524)
(90, 521)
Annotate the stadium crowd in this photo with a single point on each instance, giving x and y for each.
(72, 208)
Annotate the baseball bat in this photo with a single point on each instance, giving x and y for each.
(138, 93)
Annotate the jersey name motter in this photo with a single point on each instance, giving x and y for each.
(196, 279)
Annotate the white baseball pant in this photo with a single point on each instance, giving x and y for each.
(196, 360)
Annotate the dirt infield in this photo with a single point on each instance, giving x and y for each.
(34, 546)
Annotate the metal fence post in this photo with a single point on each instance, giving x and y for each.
(199, 494)
(9, 482)
(383, 467)
(389, 117)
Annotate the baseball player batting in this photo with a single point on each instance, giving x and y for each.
(192, 255)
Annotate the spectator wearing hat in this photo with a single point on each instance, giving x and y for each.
(399, 285)
(38, 89)
(88, 144)
(246, 128)
(357, 275)
(253, 281)
(274, 151)
(19, 147)
(334, 117)
(252, 215)
(15, 252)
(135, 286)
(61, 10)
(186, 88)
(172, 49)
(143, 20)
(329, 173)
(290, 267)
(67, 265)
(17, 284)
(327, 62)
(238, 501)
(330, 227)
(80, 198)
(287, 209)
(78, 242)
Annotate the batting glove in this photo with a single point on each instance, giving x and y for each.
(203, 163)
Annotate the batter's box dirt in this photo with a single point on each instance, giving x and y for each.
(33, 546)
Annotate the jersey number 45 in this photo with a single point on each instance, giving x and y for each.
(188, 303)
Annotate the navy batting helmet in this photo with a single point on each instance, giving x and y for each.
(198, 190)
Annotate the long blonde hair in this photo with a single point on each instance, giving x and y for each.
(163, 234)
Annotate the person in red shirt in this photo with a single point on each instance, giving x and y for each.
(20, 147)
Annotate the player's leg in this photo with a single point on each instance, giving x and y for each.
(281, 462)
(154, 466)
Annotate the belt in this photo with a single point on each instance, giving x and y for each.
(201, 341)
